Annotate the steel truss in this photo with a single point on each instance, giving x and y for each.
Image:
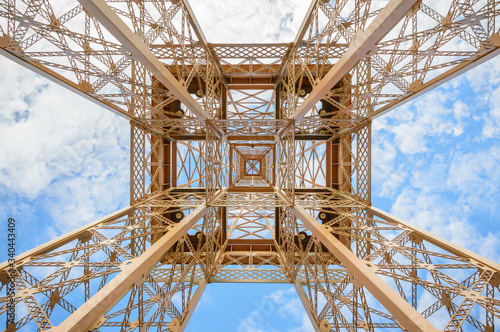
(251, 163)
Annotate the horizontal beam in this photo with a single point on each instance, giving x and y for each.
(250, 190)
(269, 86)
(192, 190)
(311, 137)
(140, 51)
(251, 137)
(364, 272)
(360, 48)
(132, 272)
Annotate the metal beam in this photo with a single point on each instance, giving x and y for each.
(66, 238)
(436, 240)
(437, 81)
(64, 82)
(307, 305)
(298, 38)
(132, 272)
(360, 48)
(193, 303)
(141, 52)
(364, 271)
(201, 36)
(305, 23)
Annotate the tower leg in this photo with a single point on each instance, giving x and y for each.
(133, 272)
(307, 306)
(180, 325)
(410, 318)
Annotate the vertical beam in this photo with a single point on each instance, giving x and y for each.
(307, 305)
(369, 164)
(224, 101)
(410, 318)
(277, 226)
(328, 162)
(223, 211)
(360, 48)
(132, 164)
(277, 102)
(173, 158)
(141, 52)
(132, 272)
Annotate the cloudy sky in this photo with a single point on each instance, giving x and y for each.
(64, 162)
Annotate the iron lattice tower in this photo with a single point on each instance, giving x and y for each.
(251, 163)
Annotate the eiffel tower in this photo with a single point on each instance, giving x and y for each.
(250, 163)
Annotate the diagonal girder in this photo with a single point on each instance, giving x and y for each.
(360, 48)
(389, 266)
(131, 273)
(436, 240)
(133, 43)
(64, 82)
(437, 81)
(409, 317)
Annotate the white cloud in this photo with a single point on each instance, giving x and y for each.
(484, 80)
(446, 219)
(426, 117)
(460, 110)
(284, 303)
(438, 158)
(57, 145)
(491, 127)
(240, 21)
(476, 177)
(485, 77)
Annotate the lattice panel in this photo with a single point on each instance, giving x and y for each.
(250, 223)
(285, 164)
(217, 163)
(191, 171)
(145, 165)
(310, 168)
(73, 47)
(251, 199)
(425, 45)
(288, 147)
(447, 286)
(250, 104)
(55, 282)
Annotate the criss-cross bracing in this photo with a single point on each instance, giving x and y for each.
(251, 163)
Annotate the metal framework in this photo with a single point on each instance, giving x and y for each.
(251, 163)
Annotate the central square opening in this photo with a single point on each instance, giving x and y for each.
(253, 167)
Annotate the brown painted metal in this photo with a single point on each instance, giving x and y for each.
(338, 249)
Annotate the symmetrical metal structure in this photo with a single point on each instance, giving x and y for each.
(251, 163)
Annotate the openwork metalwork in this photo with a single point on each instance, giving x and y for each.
(251, 163)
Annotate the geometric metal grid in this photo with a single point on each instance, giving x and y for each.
(251, 163)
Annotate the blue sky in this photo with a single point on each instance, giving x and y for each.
(64, 162)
